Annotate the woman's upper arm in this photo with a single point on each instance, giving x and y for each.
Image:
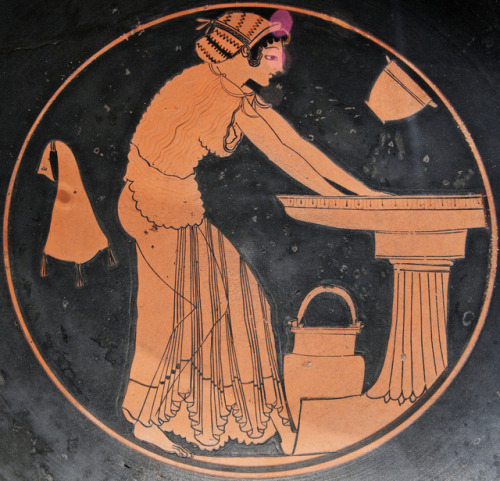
(288, 135)
(264, 126)
(259, 132)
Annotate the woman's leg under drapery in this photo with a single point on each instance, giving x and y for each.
(203, 326)
(154, 321)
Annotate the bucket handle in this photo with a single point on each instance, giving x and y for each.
(339, 291)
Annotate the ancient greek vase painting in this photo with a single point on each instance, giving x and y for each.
(259, 240)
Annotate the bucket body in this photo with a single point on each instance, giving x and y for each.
(333, 341)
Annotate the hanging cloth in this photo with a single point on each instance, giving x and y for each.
(74, 234)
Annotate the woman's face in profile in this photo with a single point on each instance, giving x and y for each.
(271, 64)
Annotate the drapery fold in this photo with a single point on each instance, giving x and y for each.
(215, 376)
(417, 351)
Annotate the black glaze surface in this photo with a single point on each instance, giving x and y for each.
(43, 436)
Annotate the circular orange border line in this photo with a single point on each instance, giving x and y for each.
(285, 459)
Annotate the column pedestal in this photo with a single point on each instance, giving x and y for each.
(417, 348)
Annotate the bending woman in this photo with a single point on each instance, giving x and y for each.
(205, 363)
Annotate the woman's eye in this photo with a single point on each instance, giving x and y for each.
(272, 58)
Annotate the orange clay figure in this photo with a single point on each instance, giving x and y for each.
(205, 365)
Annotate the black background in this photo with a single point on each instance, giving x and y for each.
(456, 45)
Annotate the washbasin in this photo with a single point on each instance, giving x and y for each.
(389, 213)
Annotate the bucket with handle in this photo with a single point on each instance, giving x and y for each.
(323, 364)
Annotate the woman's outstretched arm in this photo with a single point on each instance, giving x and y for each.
(259, 132)
(316, 159)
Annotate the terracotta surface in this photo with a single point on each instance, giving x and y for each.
(224, 365)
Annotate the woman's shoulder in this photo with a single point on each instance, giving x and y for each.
(180, 90)
(191, 78)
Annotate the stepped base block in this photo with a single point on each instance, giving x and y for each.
(329, 425)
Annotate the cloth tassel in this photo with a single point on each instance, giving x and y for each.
(79, 282)
(111, 258)
(43, 266)
(54, 161)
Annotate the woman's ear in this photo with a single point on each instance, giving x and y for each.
(245, 51)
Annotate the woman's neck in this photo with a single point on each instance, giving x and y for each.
(229, 85)
(234, 70)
